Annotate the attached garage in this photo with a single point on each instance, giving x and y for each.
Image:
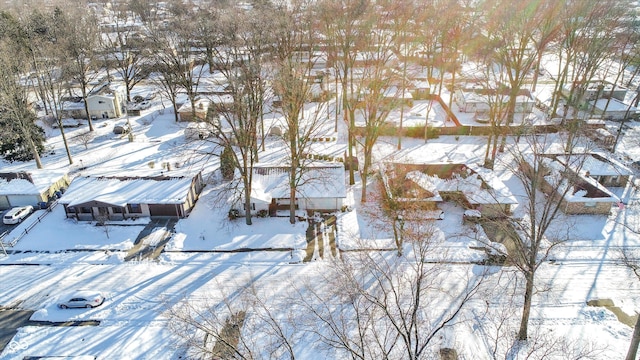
(4, 202)
(165, 210)
(23, 200)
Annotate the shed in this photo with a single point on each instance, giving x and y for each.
(201, 112)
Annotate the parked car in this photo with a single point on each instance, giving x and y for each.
(17, 214)
(121, 129)
(81, 299)
(67, 123)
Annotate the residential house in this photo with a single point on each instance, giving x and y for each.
(479, 100)
(613, 109)
(118, 198)
(430, 184)
(321, 188)
(602, 168)
(421, 89)
(32, 187)
(558, 177)
(103, 103)
(597, 90)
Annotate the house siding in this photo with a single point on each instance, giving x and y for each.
(574, 208)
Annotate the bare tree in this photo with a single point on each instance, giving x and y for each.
(494, 318)
(175, 57)
(294, 84)
(79, 41)
(244, 40)
(631, 259)
(344, 27)
(244, 325)
(547, 181)
(126, 47)
(84, 139)
(378, 305)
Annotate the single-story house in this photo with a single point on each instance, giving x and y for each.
(322, 188)
(474, 188)
(581, 194)
(479, 100)
(605, 170)
(612, 109)
(222, 103)
(31, 188)
(117, 198)
(598, 89)
(201, 113)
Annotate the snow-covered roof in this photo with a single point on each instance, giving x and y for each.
(560, 183)
(395, 92)
(121, 192)
(316, 182)
(614, 105)
(202, 104)
(598, 165)
(41, 180)
(471, 186)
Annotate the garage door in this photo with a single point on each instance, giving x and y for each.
(163, 210)
(4, 202)
(23, 200)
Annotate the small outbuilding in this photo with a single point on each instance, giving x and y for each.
(201, 112)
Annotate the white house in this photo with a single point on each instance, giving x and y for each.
(478, 101)
(321, 188)
(102, 103)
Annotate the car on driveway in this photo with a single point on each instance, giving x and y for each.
(81, 299)
(17, 214)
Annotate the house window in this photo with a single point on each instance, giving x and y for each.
(85, 210)
(116, 210)
(590, 204)
(134, 208)
(71, 210)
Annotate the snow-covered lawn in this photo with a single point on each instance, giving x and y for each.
(197, 265)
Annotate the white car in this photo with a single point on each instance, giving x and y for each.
(81, 299)
(17, 214)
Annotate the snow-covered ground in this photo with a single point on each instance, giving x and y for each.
(198, 266)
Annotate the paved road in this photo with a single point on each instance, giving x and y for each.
(10, 321)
